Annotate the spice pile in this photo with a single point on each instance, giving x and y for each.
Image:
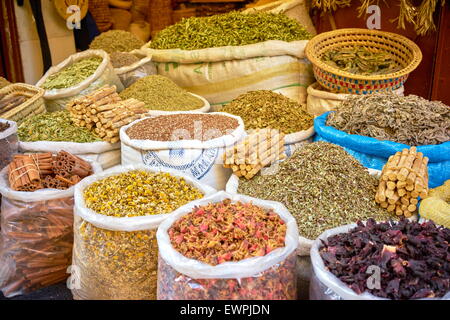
(4, 126)
(410, 120)
(229, 29)
(404, 178)
(43, 170)
(54, 126)
(116, 41)
(161, 93)
(258, 150)
(103, 112)
(413, 258)
(361, 60)
(122, 59)
(436, 206)
(267, 109)
(322, 186)
(187, 126)
(10, 101)
(72, 74)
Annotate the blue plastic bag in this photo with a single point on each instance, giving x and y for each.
(373, 153)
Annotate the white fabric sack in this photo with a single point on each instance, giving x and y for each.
(227, 270)
(204, 109)
(325, 285)
(105, 153)
(223, 73)
(320, 101)
(57, 99)
(201, 159)
(140, 69)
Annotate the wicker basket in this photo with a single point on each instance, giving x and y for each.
(405, 53)
(34, 105)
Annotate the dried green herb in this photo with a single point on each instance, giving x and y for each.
(229, 29)
(161, 93)
(72, 74)
(322, 186)
(116, 41)
(54, 126)
(411, 120)
(122, 59)
(267, 109)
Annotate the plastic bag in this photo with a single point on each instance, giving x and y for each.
(201, 159)
(116, 258)
(374, 153)
(36, 237)
(57, 99)
(130, 74)
(325, 285)
(272, 276)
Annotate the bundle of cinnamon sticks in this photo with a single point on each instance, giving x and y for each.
(404, 178)
(104, 112)
(9, 102)
(32, 172)
(259, 149)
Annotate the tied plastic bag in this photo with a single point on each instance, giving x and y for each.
(272, 276)
(325, 285)
(201, 159)
(116, 258)
(57, 99)
(132, 73)
(36, 237)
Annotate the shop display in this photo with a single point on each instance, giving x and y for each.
(161, 93)
(122, 59)
(266, 109)
(412, 256)
(410, 120)
(436, 206)
(346, 189)
(116, 41)
(258, 150)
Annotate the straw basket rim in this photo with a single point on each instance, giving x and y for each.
(317, 62)
(37, 93)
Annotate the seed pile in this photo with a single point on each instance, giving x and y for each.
(229, 29)
(116, 41)
(161, 93)
(322, 186)
(54, 126)
(4, 126)
(139, 193)
(413, 258)
(122, 59)
(410, 120)
(174, 127)
(73, 74)
(360, 60)
(226, 231)
(266, 109)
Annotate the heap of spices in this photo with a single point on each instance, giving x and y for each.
(119, 264)
(161, 93)
(116, 41)
(186, 126)
(410, 120)
(4, 126)
(229, 29)
(322, 186)
(122, 59)
(10, 101)
(9, 145)
(412, 257)
(72, 74)
(436, 206)
(54, 126)
(267, 109)
(361, 60)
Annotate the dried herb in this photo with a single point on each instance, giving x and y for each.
(72, 74)
(361, 60)
(266, 109)
(173, 127)
(413, 258)
(55, 126)
(229, 29)
(4, 126)
(161, 93)
(322, 186)
(227, 231)
(122, 59)
(411, 120)
(116, 41)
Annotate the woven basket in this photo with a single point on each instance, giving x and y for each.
(405, 53)
(34, 105)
